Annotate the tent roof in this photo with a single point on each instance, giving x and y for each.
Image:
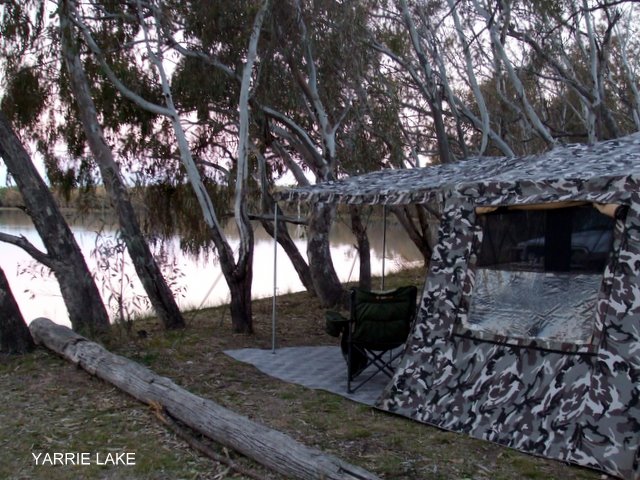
(612, 159)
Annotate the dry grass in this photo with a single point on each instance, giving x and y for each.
(48, 405)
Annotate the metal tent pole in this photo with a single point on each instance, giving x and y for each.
(384, 243)
(275, 279)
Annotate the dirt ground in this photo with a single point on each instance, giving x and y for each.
(49, 405)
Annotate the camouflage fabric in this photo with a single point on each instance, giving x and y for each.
(579, 404)
(598, 165)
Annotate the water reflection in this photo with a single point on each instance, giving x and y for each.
(197, 280)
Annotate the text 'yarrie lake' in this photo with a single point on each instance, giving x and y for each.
(84, 458)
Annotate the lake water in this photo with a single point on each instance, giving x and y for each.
(197, 280)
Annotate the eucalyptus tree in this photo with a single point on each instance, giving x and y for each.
(575, 43)
(151, 19)
(322, 97)
(146, 267)
(63, 255)
(40, 93)
(328, 117)
(627, 35)
(516, 77)
(23, 64)
(311, 64)
(423, 41)
(558, 71)
(346, 111)
(204, 82)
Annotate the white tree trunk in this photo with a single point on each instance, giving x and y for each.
(498, 46)
(471, 77)
(242, 171)
(623, 37)
(592, 135)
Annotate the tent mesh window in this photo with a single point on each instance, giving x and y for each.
(538, 275)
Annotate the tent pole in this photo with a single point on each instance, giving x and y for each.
(275, 279)
(384, 243)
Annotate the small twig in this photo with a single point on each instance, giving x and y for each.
(201, 447)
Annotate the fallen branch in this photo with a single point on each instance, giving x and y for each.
(268, 447)
(196, 444)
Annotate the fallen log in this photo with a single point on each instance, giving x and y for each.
(268, 447)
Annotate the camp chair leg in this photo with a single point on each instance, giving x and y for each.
(349, 365)
(374, 359)
(349, 362)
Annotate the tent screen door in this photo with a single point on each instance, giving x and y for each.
(538, 275)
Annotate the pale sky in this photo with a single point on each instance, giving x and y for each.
(39, 164)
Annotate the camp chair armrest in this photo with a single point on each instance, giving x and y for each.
(335, 323)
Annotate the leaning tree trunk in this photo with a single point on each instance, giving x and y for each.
(269, 206)
(294, 255)
(81, 296)
(326, 281)
(146, 267)
(269, 447)
(15, 336)
(419, 233)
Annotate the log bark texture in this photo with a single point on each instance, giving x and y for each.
(269, 447)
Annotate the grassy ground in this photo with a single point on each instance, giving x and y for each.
(49, 406)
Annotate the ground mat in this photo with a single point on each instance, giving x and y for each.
(320, 368)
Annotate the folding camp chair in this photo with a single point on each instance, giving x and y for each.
(379, 323)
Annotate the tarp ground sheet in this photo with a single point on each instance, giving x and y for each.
(318, 367)
(579, 404)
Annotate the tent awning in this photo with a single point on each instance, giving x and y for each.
(609, 161)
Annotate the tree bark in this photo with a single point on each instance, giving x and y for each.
(326, 281)
(240, 305)
(364, 250)
(237, 274)
(146, 267)
(291, 249)
(81, 296)
(432, 91)
(15, 336)
(271, 448)
(420, 233)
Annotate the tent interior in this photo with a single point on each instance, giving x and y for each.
(528, 331)
(537, 275)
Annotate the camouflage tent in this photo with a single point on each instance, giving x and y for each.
(528, 333)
